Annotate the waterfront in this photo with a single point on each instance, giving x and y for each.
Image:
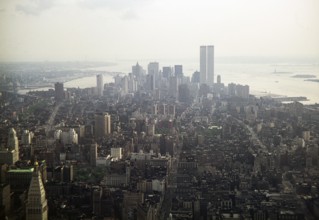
(264, 78)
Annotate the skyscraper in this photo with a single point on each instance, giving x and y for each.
(99, 84)
(167, 71)
(10, 154)
(207, 65)
(37, 205)
(93, 154)
(137, 70)
(59, 92)
(153, 72)
(178, 70)
(13, 143)
(102, 124)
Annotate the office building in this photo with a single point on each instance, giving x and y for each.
(26, 137)
(173, 86)
(167, 71)
(93, 154)
(219, 80)
(99, 84)
(116, 152)
(196, 77)
(37, 205)
(178, 70)
(59, 92)
(153, 72)
(137, 70)
(10, 154)
(207, 65)
(102, 124)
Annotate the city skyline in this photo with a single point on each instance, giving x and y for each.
(112, 30)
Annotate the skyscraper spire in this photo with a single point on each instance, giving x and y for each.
(37, 205)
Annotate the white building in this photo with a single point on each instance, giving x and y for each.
(116, 152)
(10, 154)
(26, 137)
(67, 137)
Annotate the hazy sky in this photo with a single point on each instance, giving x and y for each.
(108, 30)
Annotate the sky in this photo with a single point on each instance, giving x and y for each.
(110, 30)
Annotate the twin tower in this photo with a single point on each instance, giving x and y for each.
(207, 65)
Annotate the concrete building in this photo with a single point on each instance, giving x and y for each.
(173, 86)
(153, 72)
(26, 137)
(102, 124)
(116, 152)
(178, 70)
(36, 207)
(167, 72)
(59, 92)
(99, 84)
(93, 154)
(207, 65)
(10, 154)
(69, 137)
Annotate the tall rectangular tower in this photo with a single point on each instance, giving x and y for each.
(59, 92)
(178, 69)
(153, 72)
(99, 84)
(102, 124)
(207, 65)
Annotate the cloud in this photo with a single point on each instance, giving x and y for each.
(35, 7)
(129, 15)
(112, 4)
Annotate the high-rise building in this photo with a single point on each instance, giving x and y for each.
(195, 77)
(99, 84)
(10, 154)
(139, 73)
(37, 205)
(207, 65)
(93, 154)
(167, 71)
(102, 124)
(178, 70)
(26, 137)
(173, 86)
(59, 92)
(153, 71)
(13, 143)
(137, 70)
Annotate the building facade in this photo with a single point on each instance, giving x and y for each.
(59, 92)
(102, 124)
(207, 65)
(99, 84)
(37, 205)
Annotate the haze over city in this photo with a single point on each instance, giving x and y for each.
(159, 110)
(112, 30)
